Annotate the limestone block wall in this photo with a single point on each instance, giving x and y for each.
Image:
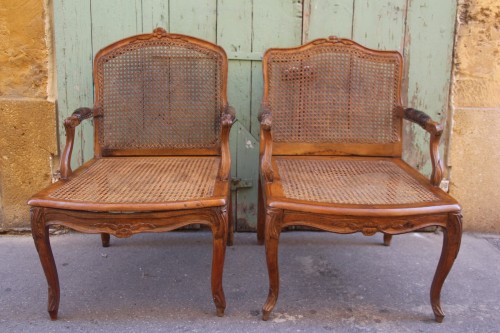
(27, 109)
(474, 154)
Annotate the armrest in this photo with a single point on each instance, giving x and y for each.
(265, 119)
(227, 119)
(70, 124)
(435, 130)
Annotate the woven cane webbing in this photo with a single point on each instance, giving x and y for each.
(362, 182)
(142, 180)
(160, 93)
(334, 94)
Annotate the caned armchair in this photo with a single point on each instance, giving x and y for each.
(331, 147)
(161, 151)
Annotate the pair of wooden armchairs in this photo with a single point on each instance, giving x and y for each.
(330, 152)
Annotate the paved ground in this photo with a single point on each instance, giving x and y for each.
(329, 282)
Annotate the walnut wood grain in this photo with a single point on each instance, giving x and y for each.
(227, 121)
(120, 215)
(451, 245)
(295, 205)
(40, 232)
(70, 123)
(265, 119)
(435, 130)
(272, 234)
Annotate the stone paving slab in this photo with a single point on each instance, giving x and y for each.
(329, 283)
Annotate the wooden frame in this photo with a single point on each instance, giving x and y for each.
(124, 219)
(277, 210)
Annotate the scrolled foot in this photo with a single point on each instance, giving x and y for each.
(53, 315)
(266, 315)
(439, 319)
(220, 312)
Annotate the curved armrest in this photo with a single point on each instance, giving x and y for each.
(70, 123)
(265, 119)
(436, 130)
(227, 119)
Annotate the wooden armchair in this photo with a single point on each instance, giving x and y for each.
(162, 160)
(331, 129)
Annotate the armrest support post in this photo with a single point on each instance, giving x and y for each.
(265, 120)
(227, 119)
(70, 124)
(435, 130)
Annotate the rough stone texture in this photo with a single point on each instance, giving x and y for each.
(477, 55)
(23, 51)
(27, 120)
(28, 138)
(475, 158)
(474, 154)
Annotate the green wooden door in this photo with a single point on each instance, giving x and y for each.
(423, 30)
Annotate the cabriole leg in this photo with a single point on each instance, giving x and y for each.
(272, 234)
(40, 232)
(261, 216)
(452, 236)
(105, 239)
(219, 230)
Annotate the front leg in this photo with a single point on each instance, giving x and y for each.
(219, 231)
(261, 215)
(40, 232)
(272, 234)
(452, 236)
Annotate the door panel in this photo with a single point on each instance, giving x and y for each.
(430, 30)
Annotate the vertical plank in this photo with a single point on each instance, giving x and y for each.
(155, 13)
(73, 49)
(327, 18)
(233, 139)
(256, 97)
(275, 24)
(194, 17)
(380, 24)
(113, 20)
(248, 169)
(430, 29)
(234, 34)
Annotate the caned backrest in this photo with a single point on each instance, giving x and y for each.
(159, 93)
(334, 92)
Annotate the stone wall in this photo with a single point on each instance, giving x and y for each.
(27, 111)
(475, 138)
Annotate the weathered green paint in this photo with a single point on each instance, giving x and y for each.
(247, 165)
(74, 67)
(275, 24)
(155, 13)
(324, 18)
(421, 29)
(232, 14)
(233, 139)
(110, 24)
(430, 31)
(380, 24)
(194, 17)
